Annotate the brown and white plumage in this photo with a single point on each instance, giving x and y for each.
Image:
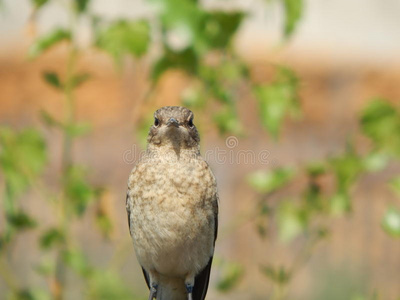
(172, 206)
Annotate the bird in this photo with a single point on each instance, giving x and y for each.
(172, 205)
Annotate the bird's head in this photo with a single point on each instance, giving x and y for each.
(173, 126)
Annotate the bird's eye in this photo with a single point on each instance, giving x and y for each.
(156, 122)
(190, 123)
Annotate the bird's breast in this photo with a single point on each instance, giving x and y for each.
(172, 217)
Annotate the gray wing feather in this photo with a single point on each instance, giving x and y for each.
(202, 279)
(128, 211)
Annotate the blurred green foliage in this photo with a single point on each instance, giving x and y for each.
(380, 121)
(78, 190)
(39, 3)
(206, 33)
(391, 222)
(308, 213)
(230, 274)
(46, 42)
(293, 13)
(123, 37)
(22, 159)
(269, 181)
(277, 99)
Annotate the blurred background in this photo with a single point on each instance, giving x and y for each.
(297, 103)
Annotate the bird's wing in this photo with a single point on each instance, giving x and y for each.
(202, 279)
(215, 203)
(146, 277)
(145, 274)
(128, 210)
(201, 282)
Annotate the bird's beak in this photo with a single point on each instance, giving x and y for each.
(173, 122)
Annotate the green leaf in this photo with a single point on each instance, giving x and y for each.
(175, 12)
(49, 120)
(45, 42)
(340, 203)
(51, 237)
(124, 38)
(291, 221)
(269, 181)
(205, 30)
(185, 60)
(313, 198)
(231, 274)
(25, 148)
(78, 190)
(193, 98)
(79, 79)
(316, 169)
(185, 15)
(22, 158)
(380, 121)
(21, 221)
(391, 222)
(273, 102)
(46, 267)
(293, 13)
(77, 261)
(278, 275)
(81, 5)
(230, 70)
(276, 100)
(375, 161)
(224, 95)
(29, 294)
(77, 129)
(227, 121)
(39, 3)
(346, 168)
(53, 79)
(218, 28)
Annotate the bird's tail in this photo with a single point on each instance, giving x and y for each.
(171, 289)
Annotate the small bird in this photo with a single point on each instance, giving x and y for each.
(172, 205)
